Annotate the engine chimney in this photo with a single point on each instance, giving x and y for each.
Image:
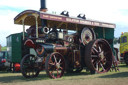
(43, 6)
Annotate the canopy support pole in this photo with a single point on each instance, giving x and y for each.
(23, 29)
(37, 36)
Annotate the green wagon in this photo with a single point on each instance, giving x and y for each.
(15, 50)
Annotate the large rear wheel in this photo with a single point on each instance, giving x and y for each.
(98, 56)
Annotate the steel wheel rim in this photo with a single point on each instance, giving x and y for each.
(29, 67)
(56, 65)
(101, 56)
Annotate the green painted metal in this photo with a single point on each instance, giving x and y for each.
(15, 47)
(98, 32)
(109, 35)
(105, 33)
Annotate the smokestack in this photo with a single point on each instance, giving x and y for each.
(43, 6)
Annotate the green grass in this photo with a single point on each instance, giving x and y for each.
(83, 78)
(4, 48)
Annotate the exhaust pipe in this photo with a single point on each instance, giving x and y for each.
(43, 6)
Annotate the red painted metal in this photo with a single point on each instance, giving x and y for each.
(3, 60)
(17, 66)
(75, 20)
(30, 43)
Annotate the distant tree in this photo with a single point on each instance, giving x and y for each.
(119, 40)
(116, 40)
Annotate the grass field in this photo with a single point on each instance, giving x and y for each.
(4, 48)
(83, 78)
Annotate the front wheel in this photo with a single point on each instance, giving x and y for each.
(29, 67)
(55, 65)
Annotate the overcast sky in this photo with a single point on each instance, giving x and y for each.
(113, 11)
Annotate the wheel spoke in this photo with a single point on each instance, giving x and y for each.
(52, 71)
(97, 66)
(94, 61)
(102, 66)
(101, 55)
(100, 49)
(61, 68)
(49, 67)
(59, 61)
(95, 49)
(94, 56)
(103, 60)
(51, 63)
(57, 72)
(55, 59)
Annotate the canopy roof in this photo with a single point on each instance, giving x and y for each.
(28, 16)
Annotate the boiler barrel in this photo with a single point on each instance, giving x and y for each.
(49, 48)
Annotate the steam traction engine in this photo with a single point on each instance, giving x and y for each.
(63, 43)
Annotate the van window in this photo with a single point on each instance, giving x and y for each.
(124, 39)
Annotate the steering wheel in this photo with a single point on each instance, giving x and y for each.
(53, 34)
